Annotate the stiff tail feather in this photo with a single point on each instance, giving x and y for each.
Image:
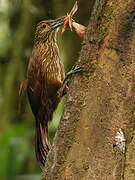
(42, 144)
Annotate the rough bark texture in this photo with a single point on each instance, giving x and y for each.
(100, 101)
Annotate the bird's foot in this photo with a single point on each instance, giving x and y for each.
(74, 70)
(63, 90)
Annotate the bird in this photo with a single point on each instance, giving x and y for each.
(45, 76)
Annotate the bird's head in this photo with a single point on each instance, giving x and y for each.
(47, 29)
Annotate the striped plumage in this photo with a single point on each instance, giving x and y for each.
(45, 77)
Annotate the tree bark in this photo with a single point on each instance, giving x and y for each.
(100, 101)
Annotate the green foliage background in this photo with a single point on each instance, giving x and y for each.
(18, 19)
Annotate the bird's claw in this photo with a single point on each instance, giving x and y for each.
(74, 70)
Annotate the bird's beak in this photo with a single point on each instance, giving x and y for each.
(57, 22)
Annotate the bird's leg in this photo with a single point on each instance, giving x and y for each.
(63, 90)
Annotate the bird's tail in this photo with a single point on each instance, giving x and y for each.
(42, 144)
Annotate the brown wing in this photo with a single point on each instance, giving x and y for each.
(34, 91)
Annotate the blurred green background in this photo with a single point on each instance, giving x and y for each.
(18, 19)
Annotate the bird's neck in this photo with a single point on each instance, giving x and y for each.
(45, 45)
(45, 39)
(46, 48)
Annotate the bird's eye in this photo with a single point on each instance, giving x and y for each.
(44, 26)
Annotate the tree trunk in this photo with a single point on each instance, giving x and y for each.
(100, 102)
